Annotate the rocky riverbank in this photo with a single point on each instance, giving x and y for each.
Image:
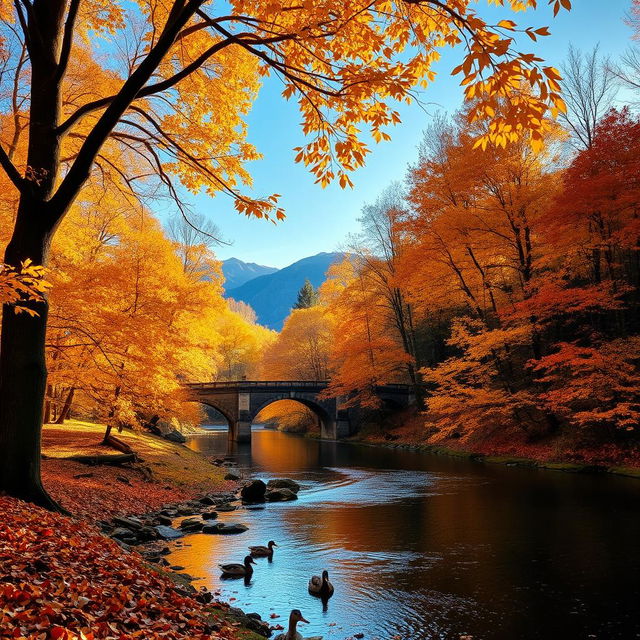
(150, 534)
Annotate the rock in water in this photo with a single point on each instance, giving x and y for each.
(191, 524)
(283, 483)
(253, 491)
(224, 529)
(280, 495)
(175, 436)
(168, 533)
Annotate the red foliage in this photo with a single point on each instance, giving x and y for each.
(61, 580)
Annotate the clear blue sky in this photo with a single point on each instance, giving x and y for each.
(319, 219)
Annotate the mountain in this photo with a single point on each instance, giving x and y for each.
(236, 272)
(273, 295)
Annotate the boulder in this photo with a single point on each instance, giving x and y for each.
(232, 476)
(253, 491)
(146, 534)
(168, 533)
(280, 495)
(133, 524)
(224, 529)
(209, 515)
(191, 524)
(211, 528)
(251, 621)
(186, 510)
(207, 500)
(122, 533)
(175, 436)
(226, 507)
(283, 483)
(162, 519)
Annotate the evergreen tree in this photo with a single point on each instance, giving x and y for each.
(307, 296)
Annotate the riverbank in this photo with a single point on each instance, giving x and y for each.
(64, 580)
(560, 453)
(166, 472)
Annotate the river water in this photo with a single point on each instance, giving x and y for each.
(424, 547)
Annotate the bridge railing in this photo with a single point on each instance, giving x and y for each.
(258, 383)
(284, 384)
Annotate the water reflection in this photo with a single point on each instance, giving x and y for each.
(425, 547)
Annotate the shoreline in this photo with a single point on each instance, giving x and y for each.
(506, 460)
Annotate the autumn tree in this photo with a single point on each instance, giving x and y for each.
(366, 350)
(244, 310)
(241, 344)
(472, 236)
(589, 89)
(307, 296)
(122, 358)
(301, 350)
(194, 236)
(176, 98)
(379, 246)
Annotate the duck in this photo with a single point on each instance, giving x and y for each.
(320, 586)
(263, 552)
(237, 569)
(292, 633)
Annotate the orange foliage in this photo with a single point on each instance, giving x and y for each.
(366, 350)
(17, 287)
(521, 280)
(301, 350)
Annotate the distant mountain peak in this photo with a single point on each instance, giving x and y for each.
(237, 272)
(273, 295)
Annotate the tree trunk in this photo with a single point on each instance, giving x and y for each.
(66, 407)
(23, 377)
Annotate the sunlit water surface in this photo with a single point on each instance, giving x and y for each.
(420, 546)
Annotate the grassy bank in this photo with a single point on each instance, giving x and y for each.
(562, 452)
(166, 472)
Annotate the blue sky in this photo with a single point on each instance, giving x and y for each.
(319, 219)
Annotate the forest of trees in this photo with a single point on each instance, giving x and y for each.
(502, 283)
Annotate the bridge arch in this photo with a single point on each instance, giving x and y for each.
(326, 421)
(219, 407)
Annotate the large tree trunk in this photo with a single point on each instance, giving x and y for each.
(23, 376)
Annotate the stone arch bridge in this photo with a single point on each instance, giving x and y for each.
(241, 401)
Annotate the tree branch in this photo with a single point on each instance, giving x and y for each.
(145, 91)
(81, 168)
(67, 40)
(11, 171)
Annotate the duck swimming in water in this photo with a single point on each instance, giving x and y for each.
(320, 586)
(263, 552)
(292, 633)
(237, 569)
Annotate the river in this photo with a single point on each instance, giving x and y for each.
(423, 547)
